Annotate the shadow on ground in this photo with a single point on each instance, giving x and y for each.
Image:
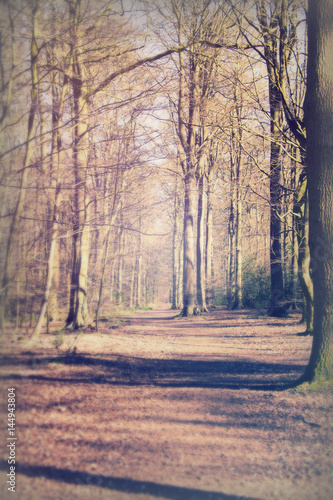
(136, 371)
(120, 484)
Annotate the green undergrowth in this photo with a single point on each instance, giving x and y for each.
(148, 308)
(316, 386)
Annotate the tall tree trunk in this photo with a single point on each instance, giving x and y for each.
(319, 126)
(231, 284)
(101, 284)
(49, 273)
(180, 275)
(138, 300)
(238, 300)
(277, 307)
(201, 274)
(238, 159)
(113, 270)
(304, 259)
(209, 244)
(175, 266)
(55, 163)
(105, 260)
(120, 267)
(13, 231)
(78, 317)
(132, 285)
(189, 290)
(276, 77)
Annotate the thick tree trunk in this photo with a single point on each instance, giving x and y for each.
(189, 289)
(319, 126)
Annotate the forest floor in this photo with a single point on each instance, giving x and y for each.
(160, 408)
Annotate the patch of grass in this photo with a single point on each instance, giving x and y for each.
(317, 386)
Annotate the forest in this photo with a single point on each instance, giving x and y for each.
(153, 151)
(166, 236)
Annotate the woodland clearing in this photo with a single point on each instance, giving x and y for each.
(154, 407)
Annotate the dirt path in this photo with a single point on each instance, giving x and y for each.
(168, 409)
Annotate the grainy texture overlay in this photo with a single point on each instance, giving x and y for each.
(186, 408)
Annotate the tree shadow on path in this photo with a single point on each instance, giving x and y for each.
(180, 373)
(120, 484)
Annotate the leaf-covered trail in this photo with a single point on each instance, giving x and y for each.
(162, 408)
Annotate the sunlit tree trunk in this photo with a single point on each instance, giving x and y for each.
(175, 237)
(189, 284)
(201, 274)
(180, 275)
(132, 285)
(120, 267)
(209, 243)
(237, 159)
(238, 300)
(103, 270)
(138, 301)
(319, 126)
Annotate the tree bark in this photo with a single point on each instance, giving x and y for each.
(276, 77)
(189, 290)
(277, 307)
(175, 261)
(304, 259)
(79, 315)
(319, 126)
(138, 301)
(201, 274)
(209, 243)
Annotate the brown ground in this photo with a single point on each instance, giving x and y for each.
(169, 409)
